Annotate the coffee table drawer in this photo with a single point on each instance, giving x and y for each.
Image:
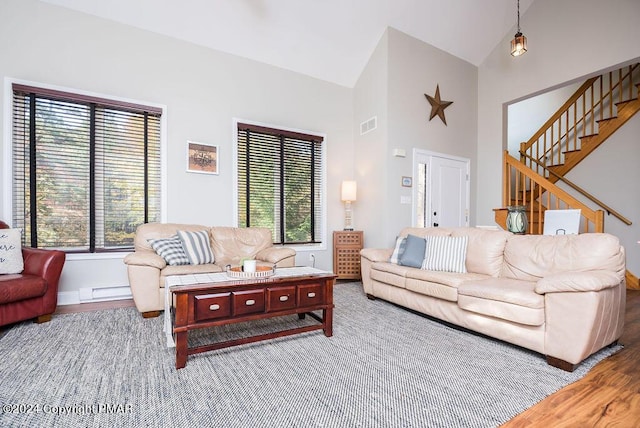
(211, 306)
(247, 302)
(310, 295)
(281, 298)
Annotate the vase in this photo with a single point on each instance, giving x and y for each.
(517, 219)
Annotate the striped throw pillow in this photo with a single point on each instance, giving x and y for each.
(401, 244)
(170, 249)
(446, 254)
(196, 246)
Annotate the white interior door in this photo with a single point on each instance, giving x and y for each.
(441, 192)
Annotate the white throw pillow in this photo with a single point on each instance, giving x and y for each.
(446, 254)
(196, 246)
(11, 251)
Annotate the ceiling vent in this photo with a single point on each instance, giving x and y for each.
(369, 125)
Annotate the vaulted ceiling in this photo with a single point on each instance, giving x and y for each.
(331, 40)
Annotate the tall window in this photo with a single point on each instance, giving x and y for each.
(86, 170)
(280, 183)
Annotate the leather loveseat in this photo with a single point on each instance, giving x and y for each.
(33, 293)
(560, 296)
(147, 270)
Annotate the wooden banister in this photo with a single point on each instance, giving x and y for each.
(548, 124)
(525, 187)
(589, 196)
(593, 101)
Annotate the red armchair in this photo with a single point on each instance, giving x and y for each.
(34, 292)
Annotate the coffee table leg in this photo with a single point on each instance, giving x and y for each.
(327, 314)
(182, 306)
(327, 317)
(181, 350)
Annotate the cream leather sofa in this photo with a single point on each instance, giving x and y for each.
(147, 270)
(561, 296)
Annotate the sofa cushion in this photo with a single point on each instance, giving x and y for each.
(189, 270)
(197, 246)
(147, 231)
(446, 253)
(390, 273)
(170, 249)
(17, 287)
(531, 257)
(414, 252)
(11, 251)
(509, 299)
(229, 243)
(443, 285)
(485, 249)
(398, 249)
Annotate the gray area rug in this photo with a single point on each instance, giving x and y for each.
(384, 367)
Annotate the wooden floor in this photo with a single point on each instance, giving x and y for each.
(609, 395)
(88, 307)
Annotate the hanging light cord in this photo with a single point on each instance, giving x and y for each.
(518, 16)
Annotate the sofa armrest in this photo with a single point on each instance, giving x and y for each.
(376, 254)
(275, 254)
(46, 264)
(594, 280)
(144, 258)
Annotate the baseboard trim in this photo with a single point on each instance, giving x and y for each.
(94, 294)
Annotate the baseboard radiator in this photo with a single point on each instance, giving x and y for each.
(94, 294)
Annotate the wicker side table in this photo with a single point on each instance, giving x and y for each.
(346, 253)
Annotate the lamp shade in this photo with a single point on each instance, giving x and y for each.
(349, 189)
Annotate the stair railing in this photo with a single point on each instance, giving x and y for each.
(577, 117)
(523, 186)
(587, 195)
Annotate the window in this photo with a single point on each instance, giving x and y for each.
(86, 170)
(280, 183)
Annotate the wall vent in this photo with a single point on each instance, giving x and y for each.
(369, 125)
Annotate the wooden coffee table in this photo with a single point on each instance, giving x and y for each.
(209, 304)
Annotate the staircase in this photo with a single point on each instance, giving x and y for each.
(587, 119)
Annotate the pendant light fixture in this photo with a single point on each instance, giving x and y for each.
(519, 42)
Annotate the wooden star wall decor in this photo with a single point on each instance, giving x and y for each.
(437, 105)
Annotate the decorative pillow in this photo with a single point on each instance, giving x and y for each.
(196, 246)
(413, 252)
(401, 244)
(170, 249)
(11, 251)
(446, 254)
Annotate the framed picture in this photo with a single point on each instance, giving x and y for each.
(202, 158)
(407, 181)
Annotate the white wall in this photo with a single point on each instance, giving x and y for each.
(568, 40)
(371, 99)
(203, 91)
(402, 70)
